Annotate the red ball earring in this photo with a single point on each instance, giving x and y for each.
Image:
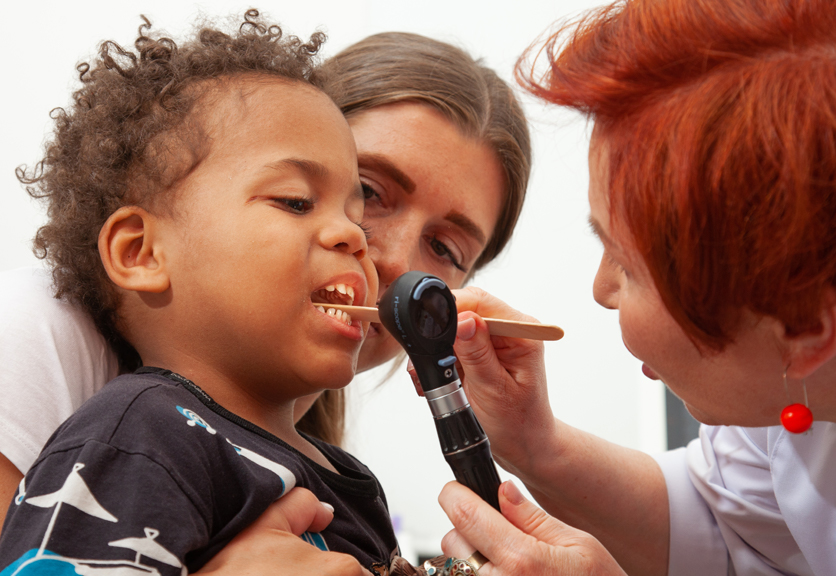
(796, 418)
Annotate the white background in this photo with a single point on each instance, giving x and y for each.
(594, 383)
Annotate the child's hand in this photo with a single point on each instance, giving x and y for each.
(272, 544)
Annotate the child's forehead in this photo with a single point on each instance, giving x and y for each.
(248, 124)
(229, 105)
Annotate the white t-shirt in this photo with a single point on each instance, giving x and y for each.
(753, 501)
(52, 359)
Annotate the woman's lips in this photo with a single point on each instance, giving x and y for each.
(649, 373)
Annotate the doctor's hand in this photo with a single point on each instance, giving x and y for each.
(271, 545)
(522, 540)
(505, 381)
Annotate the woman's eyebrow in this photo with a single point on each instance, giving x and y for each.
(383, 164)
(467, 225)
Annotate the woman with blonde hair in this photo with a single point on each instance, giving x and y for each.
(444, 161)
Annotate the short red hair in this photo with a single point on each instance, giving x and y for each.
(719, 117)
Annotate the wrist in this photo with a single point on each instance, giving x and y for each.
(532, 453)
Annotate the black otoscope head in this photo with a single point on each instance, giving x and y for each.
(420, 311)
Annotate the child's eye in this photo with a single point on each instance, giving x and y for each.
(441, 249)
(366, 230)
(295, 205)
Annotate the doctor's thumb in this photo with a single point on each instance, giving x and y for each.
(474, 348)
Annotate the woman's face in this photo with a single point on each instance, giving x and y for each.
(742, 385)
(433, 197)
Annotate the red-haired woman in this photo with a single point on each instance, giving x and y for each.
(713, 191)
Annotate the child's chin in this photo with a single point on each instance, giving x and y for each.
(340, 375)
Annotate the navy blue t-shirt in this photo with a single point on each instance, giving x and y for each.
(152, 476)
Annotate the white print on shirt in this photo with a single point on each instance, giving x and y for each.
(77, 494)
(286, 476)
(194, 419)
(21, 492)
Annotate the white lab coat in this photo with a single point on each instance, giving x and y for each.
(753, 501)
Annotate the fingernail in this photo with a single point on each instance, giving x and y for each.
(512, 493)
(327, 507)
(467, 329)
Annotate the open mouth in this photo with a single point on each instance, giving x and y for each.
(334, 294)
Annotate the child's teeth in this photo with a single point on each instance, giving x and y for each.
(341, 288)
(340, 315)
(329, 288)
(351, 294)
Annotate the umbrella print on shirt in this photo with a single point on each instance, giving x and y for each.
(148, 547)
(77, 494)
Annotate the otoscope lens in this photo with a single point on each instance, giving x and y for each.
(431, 315)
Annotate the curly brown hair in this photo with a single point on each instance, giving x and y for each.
(130, 134)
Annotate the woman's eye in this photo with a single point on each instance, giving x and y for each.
(614, 263)
(296, 205)
(368, 192)
(441, 249)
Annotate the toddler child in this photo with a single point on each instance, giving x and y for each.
(205, 209)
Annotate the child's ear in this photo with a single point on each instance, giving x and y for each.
(808, 351)
(131, 253)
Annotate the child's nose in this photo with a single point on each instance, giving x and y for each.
(346, 236)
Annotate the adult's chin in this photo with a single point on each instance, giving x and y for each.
(379, 347)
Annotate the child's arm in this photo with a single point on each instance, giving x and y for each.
(96, 506)
(273, 541)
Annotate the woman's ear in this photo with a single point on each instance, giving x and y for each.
(130, 252)
(808, 351)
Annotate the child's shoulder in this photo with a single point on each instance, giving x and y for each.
(128, 395)
(132, 412)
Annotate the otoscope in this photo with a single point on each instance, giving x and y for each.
(419, 310)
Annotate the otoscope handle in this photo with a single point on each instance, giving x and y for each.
(466, 448)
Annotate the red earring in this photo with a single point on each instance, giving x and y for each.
(796, 418)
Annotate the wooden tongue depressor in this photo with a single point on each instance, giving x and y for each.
(496, 326)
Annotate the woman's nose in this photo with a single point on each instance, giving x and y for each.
(606, 285)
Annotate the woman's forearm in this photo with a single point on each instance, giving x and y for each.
(616, 494)
(10, 478)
